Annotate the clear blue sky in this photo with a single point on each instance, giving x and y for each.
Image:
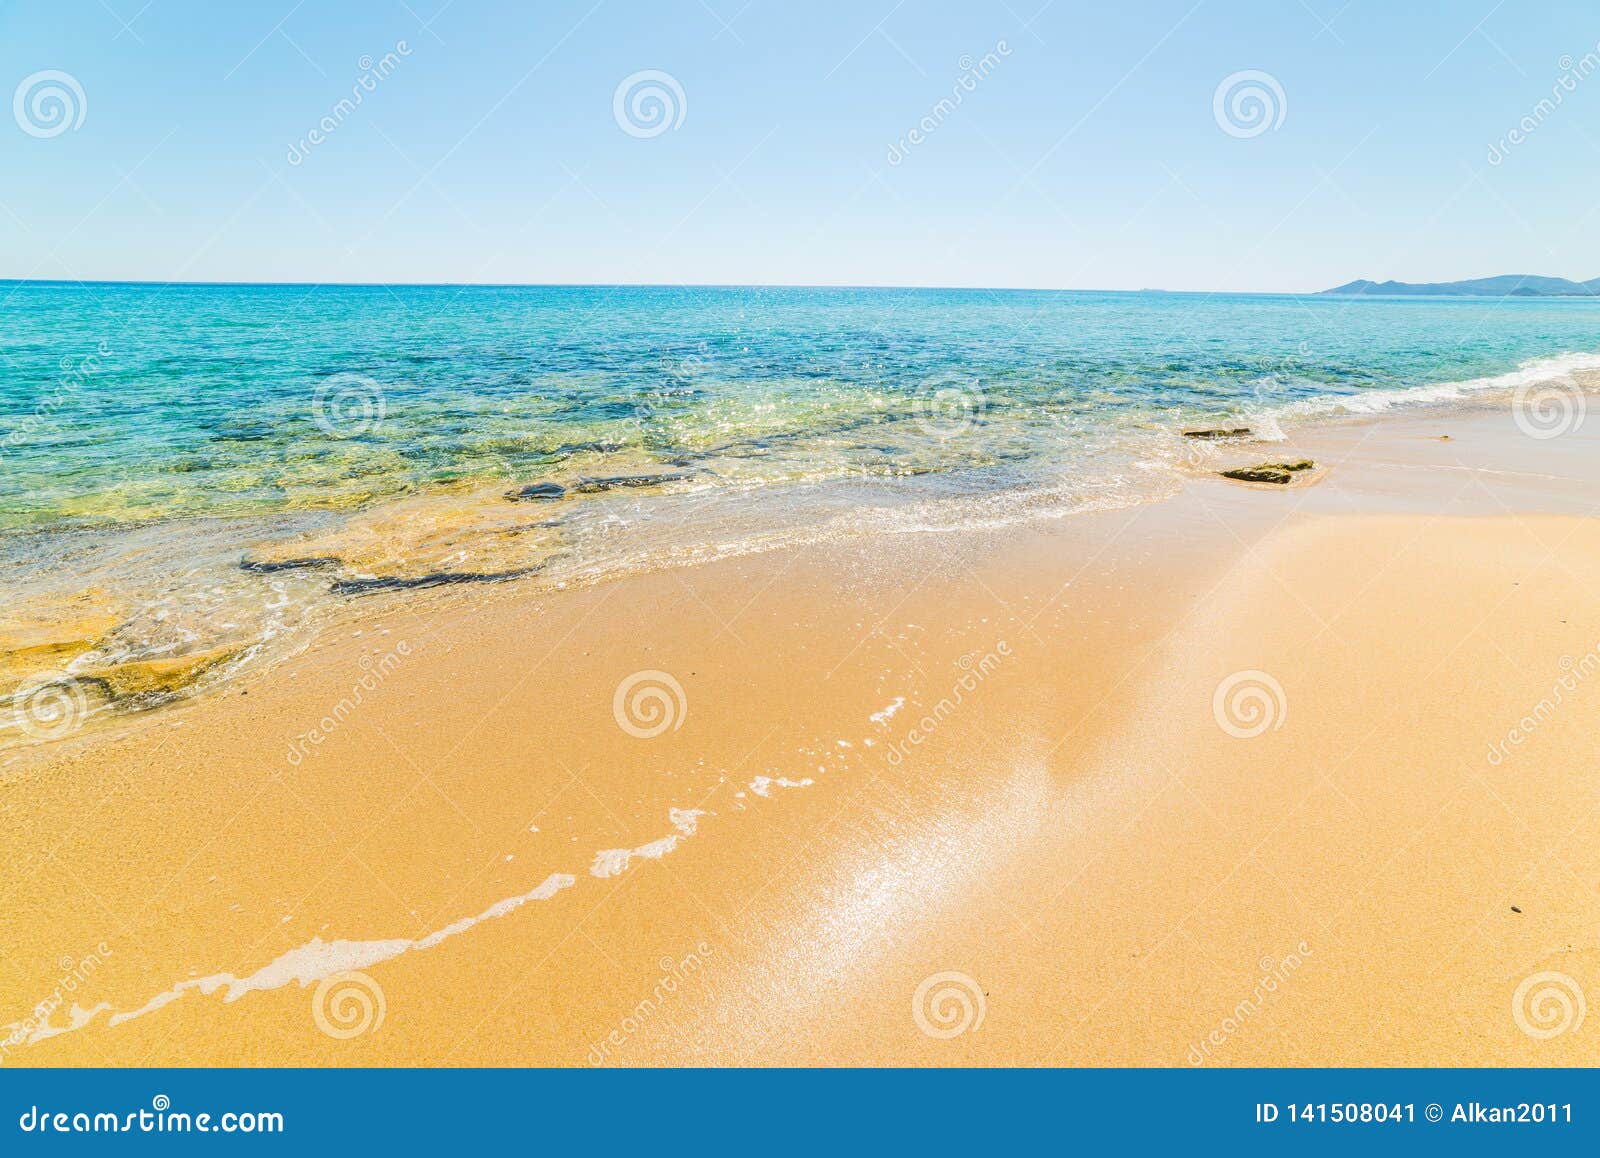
(1089, 156)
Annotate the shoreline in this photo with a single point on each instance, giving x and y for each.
(267, 572)
(507, 841)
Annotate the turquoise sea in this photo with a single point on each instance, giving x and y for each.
(153, 438)
(132, 402)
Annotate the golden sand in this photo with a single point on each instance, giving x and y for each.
(1251, 776)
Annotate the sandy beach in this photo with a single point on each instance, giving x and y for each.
(1248, 776)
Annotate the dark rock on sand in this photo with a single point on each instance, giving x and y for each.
(1211, 435)
(1258, 474)
(268, 566)
(543, 491)
(1270, 472)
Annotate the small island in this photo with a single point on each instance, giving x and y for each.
(1513, 285)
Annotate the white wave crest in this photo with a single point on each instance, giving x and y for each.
(1378, 401)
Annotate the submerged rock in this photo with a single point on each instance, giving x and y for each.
(589, 486)
(411, 542)
(543, 491)
(45, 636)
(365, 586)
(51, 642)
(147, 680)
(1217, 432)
(268, 566)
(548, 491)
(132, 685)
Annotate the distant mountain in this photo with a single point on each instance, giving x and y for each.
(1507, 285)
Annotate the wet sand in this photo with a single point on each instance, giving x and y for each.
(974, 798)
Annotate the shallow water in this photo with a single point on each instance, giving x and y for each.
(155, 437)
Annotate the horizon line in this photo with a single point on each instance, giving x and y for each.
(68, 281)
(289, 284)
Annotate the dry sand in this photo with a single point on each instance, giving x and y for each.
(931, 800)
